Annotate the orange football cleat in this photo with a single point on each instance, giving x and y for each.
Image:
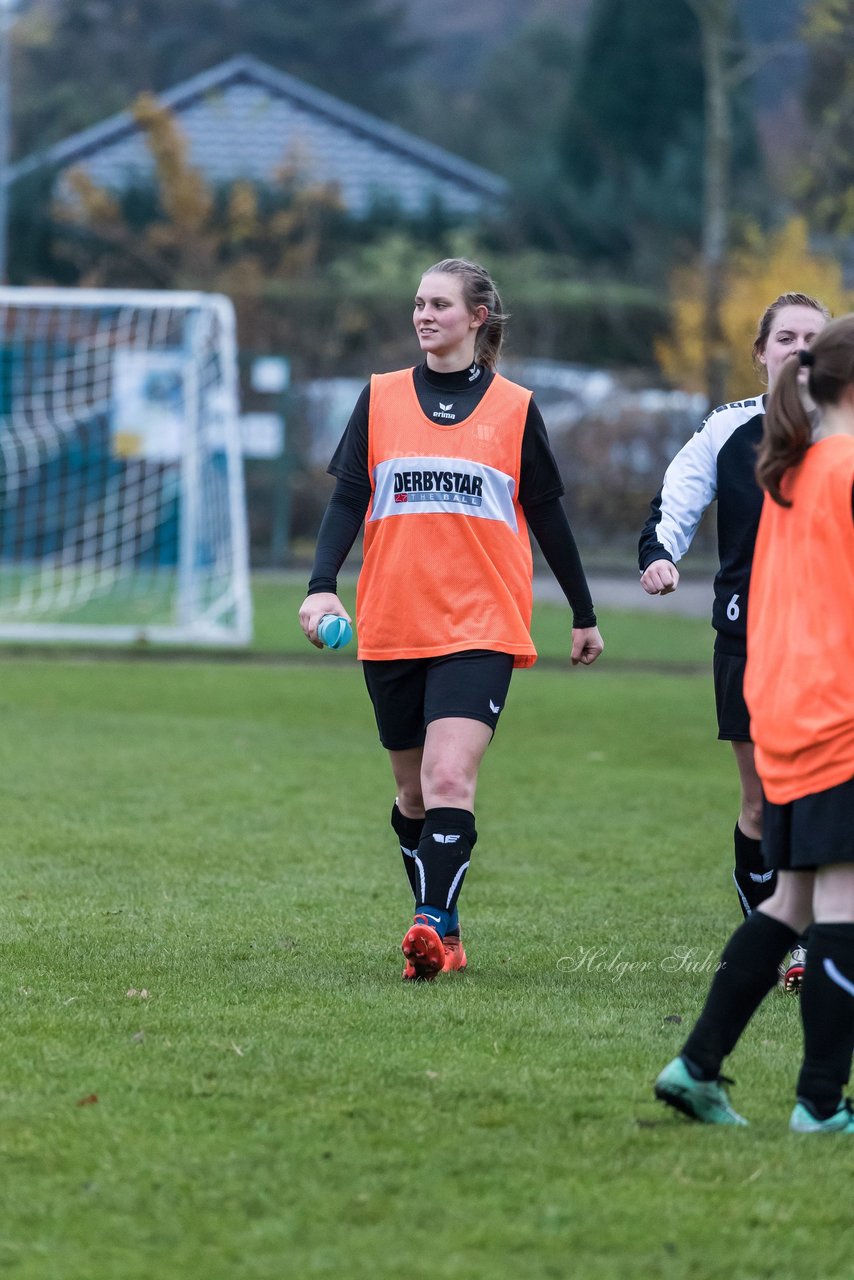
(455, 956)
(454, 962)
(424, 951)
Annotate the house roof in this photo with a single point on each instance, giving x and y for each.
(245, 119)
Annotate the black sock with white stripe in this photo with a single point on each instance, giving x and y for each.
(753, 881)
(408, 832)
(444, 853)
(747, 972)
(827, 1012)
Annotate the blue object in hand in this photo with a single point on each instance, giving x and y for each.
(334, 631)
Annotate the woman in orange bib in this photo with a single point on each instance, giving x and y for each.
(799, 686)
(449, 465)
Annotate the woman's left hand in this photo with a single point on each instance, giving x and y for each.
(587, 644)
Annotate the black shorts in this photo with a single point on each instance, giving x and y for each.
(811, 832)
(408, 693)
(733, 716)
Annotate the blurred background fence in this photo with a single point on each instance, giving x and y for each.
(612, 437)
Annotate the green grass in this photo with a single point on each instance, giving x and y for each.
(280, 1104)
(146, 599)
(639, 639)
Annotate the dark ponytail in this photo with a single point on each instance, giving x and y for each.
(787, 432)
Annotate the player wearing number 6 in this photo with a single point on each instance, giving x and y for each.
(718, 463)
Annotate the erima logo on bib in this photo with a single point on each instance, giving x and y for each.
(444, 411)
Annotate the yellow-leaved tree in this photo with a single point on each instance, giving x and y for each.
(194, 237)
(761, 269)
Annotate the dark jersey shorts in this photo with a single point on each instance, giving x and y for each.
(733, 716)
(811, 832)
(408, 693)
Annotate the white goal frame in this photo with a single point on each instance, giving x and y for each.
(151, 543)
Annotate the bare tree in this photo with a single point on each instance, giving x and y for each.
(716, 20)
(724, 66)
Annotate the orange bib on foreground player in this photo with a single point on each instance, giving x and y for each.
(800, 706)
(445, 496)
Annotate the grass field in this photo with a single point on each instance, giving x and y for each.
(211, 1068)
(637, 639)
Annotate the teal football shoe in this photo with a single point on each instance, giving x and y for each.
(703, 1100)
(803, 1120)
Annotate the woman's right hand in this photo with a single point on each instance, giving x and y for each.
(660, 578)
(312, 610)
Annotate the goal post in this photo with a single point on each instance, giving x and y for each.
(122, 500)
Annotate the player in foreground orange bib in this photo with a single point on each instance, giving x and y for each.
(449, 465)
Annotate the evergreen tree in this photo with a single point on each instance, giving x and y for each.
(631, 147)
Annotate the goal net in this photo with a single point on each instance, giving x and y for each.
(122, 510)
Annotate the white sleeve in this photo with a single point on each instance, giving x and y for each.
(690, 485)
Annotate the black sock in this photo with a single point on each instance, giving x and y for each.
(747, 972)
(444, 853)
(753, 881)
(827, 1012)
(408, 832)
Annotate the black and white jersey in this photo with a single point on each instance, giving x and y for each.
(718, 462)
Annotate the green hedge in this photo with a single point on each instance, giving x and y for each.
(328, 331)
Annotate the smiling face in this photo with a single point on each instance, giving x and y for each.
(446, 329)
(792, 330)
